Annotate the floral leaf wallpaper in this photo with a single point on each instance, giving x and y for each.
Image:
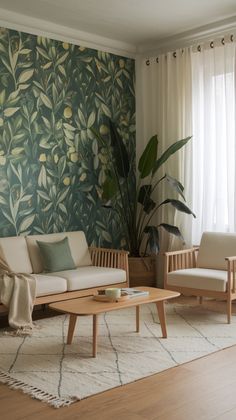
(51, 166)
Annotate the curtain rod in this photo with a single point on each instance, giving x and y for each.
(198, 48)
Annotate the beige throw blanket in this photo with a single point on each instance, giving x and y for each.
(17, 293)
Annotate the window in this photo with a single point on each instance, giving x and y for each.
(214, 151)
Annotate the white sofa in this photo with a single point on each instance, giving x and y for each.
(96, 268)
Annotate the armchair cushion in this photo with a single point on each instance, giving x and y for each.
(198, 278)
(214, 247)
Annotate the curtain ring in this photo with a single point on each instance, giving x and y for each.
(157, 60)
(199, 48)
(174, 54)
(212, 44)
(148, 62)
(231, 38)
(223, 41)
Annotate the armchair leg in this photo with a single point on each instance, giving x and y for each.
(229, 310)
(200, 299)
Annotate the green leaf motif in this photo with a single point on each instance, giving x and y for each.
(25, 75)
(51, 167)
(46, 101)
(26, 223)
(8, 112)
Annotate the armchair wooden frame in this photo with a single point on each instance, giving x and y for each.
(178, 260)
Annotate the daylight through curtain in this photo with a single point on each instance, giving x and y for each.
(192, 92)
(167, 102)
(213, 189)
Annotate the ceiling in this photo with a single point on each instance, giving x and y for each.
(136, 22)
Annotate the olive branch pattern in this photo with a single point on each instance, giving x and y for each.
(51, 166)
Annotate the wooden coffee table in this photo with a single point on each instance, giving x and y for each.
(88, 306)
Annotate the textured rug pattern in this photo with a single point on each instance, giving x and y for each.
(43, 366)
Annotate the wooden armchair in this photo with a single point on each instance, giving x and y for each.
(205, 271)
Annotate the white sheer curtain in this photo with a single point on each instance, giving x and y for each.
(214, 151)
(166, 110)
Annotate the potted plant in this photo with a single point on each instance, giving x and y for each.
(136, 207)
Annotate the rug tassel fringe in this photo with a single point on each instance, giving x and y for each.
(36, 393)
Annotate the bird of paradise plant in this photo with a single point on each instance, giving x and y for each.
(136, 208)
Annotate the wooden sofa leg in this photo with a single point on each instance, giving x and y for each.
(229, 310)
(200, 299)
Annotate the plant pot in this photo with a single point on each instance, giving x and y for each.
(142, 271)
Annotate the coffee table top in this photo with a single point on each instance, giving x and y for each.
(89, 306)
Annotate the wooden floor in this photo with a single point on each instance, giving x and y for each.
(204, 389)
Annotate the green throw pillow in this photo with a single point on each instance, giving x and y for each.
(56, 256)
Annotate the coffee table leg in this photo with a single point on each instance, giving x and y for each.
(137, 319)
(162, 317)
(95, 335)
(71, 328)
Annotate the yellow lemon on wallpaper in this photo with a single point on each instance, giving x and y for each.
(65, 45)
(67, 112)
(103, 129)
(42, 157)
(82, 49)
(56, 158)
(71, 149)
(83, 177)
(2, 160)
(122, 63)
(74, 157)
(1, 122)
(66, 181)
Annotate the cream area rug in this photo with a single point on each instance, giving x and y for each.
(46, 368)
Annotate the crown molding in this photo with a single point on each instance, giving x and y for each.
(35, 26)
(188, 38)
(23, 23)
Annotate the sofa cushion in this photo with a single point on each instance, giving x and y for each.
(56, 255)
(214, 247)
(15, 252)
(199, 278)
(85, 277)
(46, 285)
(77, 242)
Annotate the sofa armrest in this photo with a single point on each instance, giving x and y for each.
(179, 260)
(114, 258)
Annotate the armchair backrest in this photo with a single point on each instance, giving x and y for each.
(214, 247)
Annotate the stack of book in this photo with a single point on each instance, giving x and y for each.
(132, 293)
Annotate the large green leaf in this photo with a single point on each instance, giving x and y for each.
(148, 157)
(174, 230)
(145, 199)
(153, 239)
(120, 153)
(109, 187)
(178, 205)
(144, 192)
(175, 184)
(170, 151)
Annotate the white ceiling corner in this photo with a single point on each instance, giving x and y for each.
(125, 27)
